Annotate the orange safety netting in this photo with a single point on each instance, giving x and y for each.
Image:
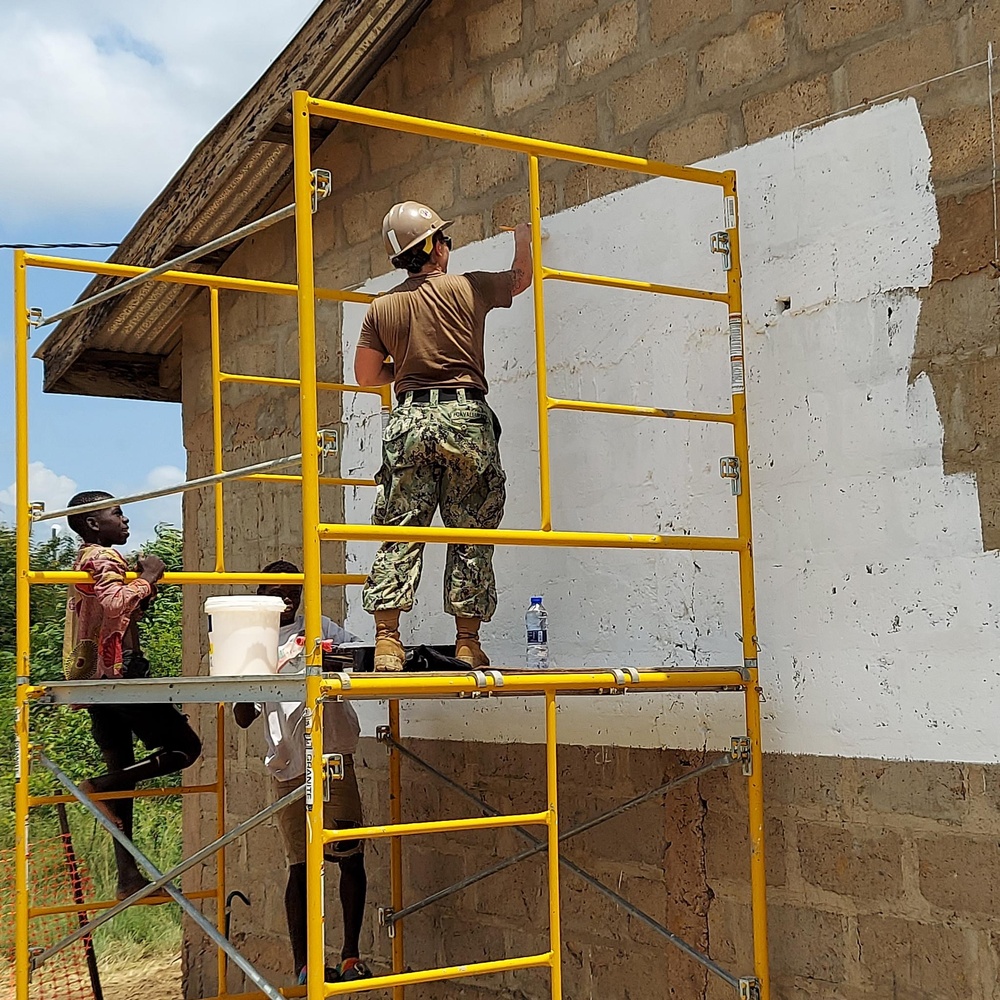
(55, 878)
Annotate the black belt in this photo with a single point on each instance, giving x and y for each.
(444, 395)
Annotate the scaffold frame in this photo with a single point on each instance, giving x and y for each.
(314, 687)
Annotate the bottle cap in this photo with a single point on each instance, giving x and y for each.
(536, 600)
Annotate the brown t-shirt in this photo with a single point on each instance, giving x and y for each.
(433, 325)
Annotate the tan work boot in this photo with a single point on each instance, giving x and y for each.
(389, 650)
(467, 648)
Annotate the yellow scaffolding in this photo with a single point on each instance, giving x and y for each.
(314, 688)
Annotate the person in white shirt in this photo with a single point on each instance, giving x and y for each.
(286, 762)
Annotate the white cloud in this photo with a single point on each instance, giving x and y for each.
(102, 101)
(163, 476)
(44, 486)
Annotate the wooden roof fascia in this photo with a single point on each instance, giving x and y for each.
(232, 174)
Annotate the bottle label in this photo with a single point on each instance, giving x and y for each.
(537, 636)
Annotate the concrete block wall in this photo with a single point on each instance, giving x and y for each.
(881, 873)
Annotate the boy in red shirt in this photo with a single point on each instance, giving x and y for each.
(102, 642)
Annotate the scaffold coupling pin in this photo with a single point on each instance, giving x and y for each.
(740, 752)
(385, 915)
(322, 185)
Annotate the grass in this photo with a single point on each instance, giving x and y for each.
(140, 932)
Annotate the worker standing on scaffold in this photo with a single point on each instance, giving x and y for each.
(439, 447)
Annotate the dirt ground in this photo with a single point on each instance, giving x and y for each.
(155, 979)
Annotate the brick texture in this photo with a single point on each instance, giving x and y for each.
(494, 29)
(519, 83)
(602, 40)
(648, 94)
(668, 18)
(827, 23)
(901, 62)
(745, 56)
(705, 136)
(782, 110)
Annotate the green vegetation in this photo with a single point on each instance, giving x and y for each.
(66, 736)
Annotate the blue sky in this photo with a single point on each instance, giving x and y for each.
(77, 167)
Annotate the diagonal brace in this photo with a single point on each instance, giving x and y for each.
(192, 911)
(724, 760)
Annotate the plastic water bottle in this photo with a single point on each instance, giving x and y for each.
(536, 625)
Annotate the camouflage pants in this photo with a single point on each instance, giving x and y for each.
(435, 455)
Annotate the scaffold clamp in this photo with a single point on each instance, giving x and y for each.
(35, 509)
(343, 677)
(322, 185)
(333, 770)
(720, 244)
(385, 914)
(383, 734)
(34, 317)
(740, 752)
(729, 468)
(749, 988)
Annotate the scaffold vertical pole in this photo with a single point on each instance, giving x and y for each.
(311, 556)
(216, 336)
(396, 846)
(755, 785)
(22, 520)
(222, 960)
(552, 797)
(541, 374)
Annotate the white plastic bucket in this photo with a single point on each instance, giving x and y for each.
(243, 635)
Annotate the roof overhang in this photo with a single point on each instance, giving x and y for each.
(127, 346)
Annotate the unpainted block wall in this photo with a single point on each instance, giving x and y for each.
(882, 874)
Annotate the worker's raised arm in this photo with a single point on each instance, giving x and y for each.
(521, 268)
(116, 596)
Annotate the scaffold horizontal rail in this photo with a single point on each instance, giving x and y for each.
(134, 793)
(439, 975)
(505, 140)
(105, 904)
(631, 285)
(519, 536)
(207, 579)
(436, 826)
(223, 282)
(377, 687)
(628, 410)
